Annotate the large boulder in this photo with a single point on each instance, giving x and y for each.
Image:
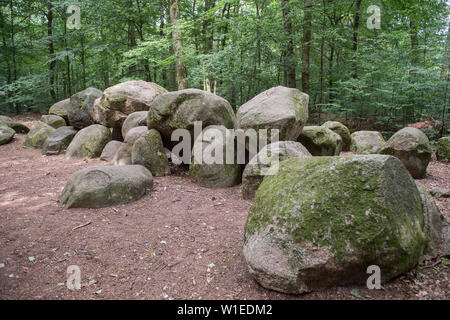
(123, 154)
(104, 186)
(6, 133)
(136, 119)
(180, 109)
(58, 142)
(110, 150)
(443, 150)
(341, 130)
(38, 135)
(367, 142)
(53, 121)
(321, 141)
(413, 148)
(123, 99)
(148, 151)
(89, 142)
(209, 167)
(322, 221)
(61, 109)
(280, 108)
(16, 126)
(80, 108)
(270, 155)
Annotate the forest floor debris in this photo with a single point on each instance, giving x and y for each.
(154, 248)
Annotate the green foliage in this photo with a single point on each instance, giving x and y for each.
(236, 48)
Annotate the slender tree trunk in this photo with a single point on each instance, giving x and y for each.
(69, 82)
(289, 55)
(356, 38)
(51, 50)
(306, 47)
(83, 62)
(178, 46)
(131, 33)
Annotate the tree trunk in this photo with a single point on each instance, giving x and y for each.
(178, 46)
(51, 49)
(306, 47)
(289, 54)
(356, 37)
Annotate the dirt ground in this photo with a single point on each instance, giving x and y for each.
(180, 241)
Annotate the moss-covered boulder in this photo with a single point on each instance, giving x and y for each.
(80, 108)
(61, 109)
(341, 130)
(180, 109)
(16, 126)
(322, 221)
(53, 121)
(148, 151)
(321, 141)
(123, 99)
(58, 142)
(104, 186)
(280, 108)
(270, 155)
(38, 135)
(89, 142)
(209, 167)
(136, 119)
(110, 150)
(443, 150)
(367, 142)
(413, 148)
(6, 133)
(123, 154)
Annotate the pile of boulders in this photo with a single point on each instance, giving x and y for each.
(317, 219)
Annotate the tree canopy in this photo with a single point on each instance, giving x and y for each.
(386, 75)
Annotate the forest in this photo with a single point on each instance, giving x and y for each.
(369, 63)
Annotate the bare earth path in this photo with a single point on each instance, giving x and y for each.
(180, 241)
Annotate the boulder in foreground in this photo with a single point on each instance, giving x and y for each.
(413, 148)
(89, 142)
(104, 186)
(322, 221)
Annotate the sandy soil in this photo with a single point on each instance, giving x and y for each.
(180, 241)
